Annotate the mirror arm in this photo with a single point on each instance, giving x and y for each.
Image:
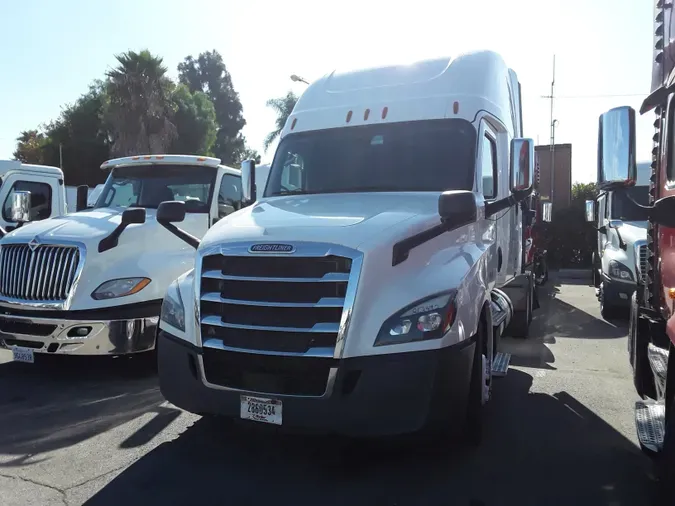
(491, 208)
(3, 232)
(112, 240)
(181, 234)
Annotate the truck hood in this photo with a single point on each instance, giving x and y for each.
(143, 250)
(351, 220)
(632, 231)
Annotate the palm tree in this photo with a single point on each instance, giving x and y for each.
(139, 111)
(283, 107)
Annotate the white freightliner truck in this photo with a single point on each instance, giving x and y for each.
(365, 291)
(621, 242)
(92, 282)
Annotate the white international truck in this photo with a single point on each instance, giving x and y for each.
(50, 197)
(365, 291)
(92, 282)
(621, 242)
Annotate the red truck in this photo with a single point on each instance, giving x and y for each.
(652, 315)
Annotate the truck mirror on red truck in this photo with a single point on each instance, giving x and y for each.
(616, 149)
(547, 212)
(522, 164)
(590, 211)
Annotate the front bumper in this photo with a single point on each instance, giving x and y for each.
(57, 333)
(362, 396)
(617, 293)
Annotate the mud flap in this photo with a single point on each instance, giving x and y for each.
(535, 299)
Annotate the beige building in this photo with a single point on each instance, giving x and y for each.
(562, 168)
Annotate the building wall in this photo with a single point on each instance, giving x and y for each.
(562, 181)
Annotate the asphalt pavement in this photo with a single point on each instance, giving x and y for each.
(559, 431)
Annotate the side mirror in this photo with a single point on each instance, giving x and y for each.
(616, 148)
(457, 208)
(21, 204)
(248, 180)
(81, 197)
(590, 211)
(133, 216)
(547, 212)
(171, 212)
(521, 164)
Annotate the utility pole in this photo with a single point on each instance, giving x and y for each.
(60, 156)
(553, 122)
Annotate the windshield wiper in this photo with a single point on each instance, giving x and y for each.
(297, 191)
(349, 189)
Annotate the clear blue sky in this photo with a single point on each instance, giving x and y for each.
(51, 50)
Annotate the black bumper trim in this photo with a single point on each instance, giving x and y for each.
(372, 395)
(124, 312)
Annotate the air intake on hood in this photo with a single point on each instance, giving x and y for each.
(45, 273)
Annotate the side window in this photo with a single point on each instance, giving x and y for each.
(489, 167)
(41, 200)
(229, 195)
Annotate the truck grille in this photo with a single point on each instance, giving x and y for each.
(273, 309)
(642, 262)
(44, 274)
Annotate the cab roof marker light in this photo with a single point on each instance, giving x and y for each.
(349, 116)
(135, 157)
(147, 157)
(160, 157)
(384, 112)
(295, 120)
(366, 114)
(455, 107)
(201, 159)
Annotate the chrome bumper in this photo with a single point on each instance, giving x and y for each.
(66, 337)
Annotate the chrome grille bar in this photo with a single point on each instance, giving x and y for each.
(46, 273)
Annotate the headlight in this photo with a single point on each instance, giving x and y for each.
(617, 270)
(173, 311)
(429, 318)
(119, 288)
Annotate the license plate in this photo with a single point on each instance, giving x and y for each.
(261, 410)
(20, 354)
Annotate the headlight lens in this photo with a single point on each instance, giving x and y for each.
(173, 311)
(430, 318)
(119, 288)
(617, 270)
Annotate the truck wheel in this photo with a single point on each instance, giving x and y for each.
(473, 430)
(607, 311)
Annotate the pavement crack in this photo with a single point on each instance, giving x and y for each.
(99, 476)
(38, 483)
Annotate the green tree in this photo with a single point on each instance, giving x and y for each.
(249, 154)
(208, 73)
(195, 120)
(29, 148)
(139, 110)
(283, 106)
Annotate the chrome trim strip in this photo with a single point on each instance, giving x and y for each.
(59, 264)
(323, 302)
(330, 384)
(216, 321)
(330, 277)
(317, 352)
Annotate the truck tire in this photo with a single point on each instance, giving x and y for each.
(607, 311)
(473, 429)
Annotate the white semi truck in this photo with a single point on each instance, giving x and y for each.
(92, 282)
(365, 291)
(621, 242)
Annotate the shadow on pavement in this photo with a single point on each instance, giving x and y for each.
(60, 401)
(537, 450)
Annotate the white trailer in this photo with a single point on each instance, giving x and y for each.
(92, 282)
(365, 291)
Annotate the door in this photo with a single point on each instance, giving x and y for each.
(44, 191)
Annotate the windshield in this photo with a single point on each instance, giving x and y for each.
(624, 209)
(433, 155)
(150, 185)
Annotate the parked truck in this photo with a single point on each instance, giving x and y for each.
(92, 282)
(621, 223)
(46, 185)
(366, 289)
(652, 312)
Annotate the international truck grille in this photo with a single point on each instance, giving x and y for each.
(643, 255)
(272, 303)
(46, 273)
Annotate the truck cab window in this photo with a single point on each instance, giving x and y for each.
(489, 167)
(229, 195)
(41, 200)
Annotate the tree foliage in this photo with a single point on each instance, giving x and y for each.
(283, 106)
(195, 119)
(139, 109)
(29, 147)
(208, 74)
